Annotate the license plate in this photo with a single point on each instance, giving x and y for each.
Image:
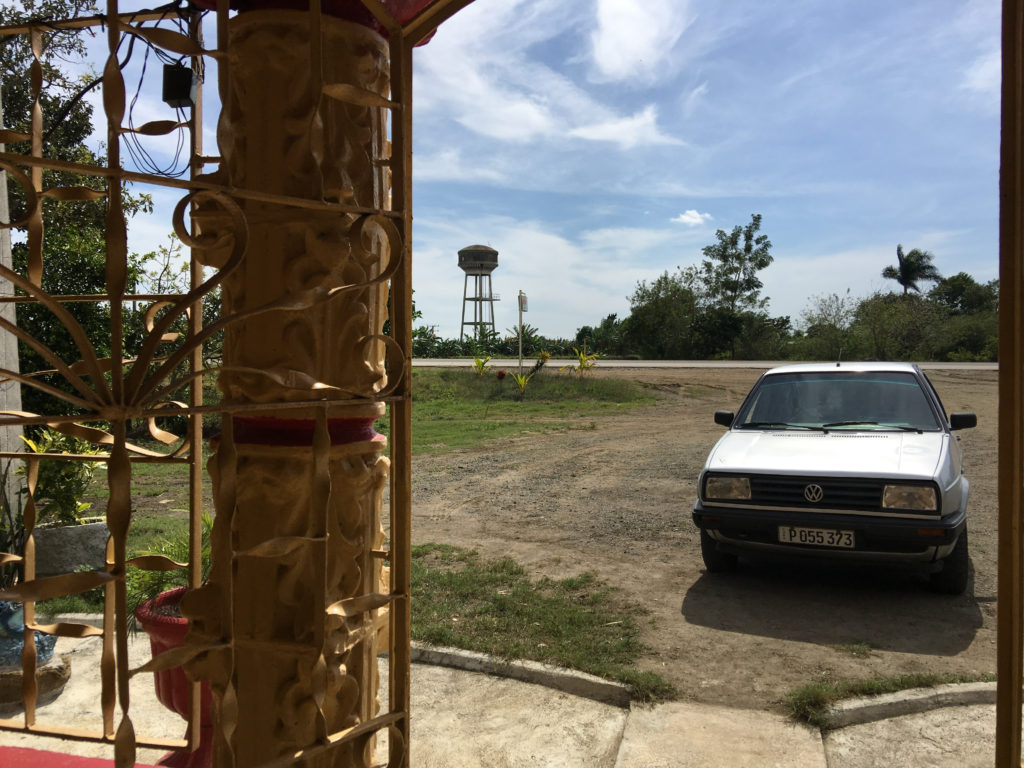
(816, 537)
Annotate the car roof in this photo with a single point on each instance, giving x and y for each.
(840, 367)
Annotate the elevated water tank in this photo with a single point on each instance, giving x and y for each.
(478, 260)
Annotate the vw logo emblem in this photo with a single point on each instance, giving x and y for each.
(813, 493)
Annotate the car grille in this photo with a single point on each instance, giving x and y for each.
(837, 493)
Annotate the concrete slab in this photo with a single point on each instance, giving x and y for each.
(683, 735)
(471, 720)
(950, 737)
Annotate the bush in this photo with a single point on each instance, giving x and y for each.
(61, 482)
(59, 486)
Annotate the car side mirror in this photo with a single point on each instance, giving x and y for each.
(725, 418)
(962, 421)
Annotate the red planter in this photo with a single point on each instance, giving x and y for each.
(172, 686)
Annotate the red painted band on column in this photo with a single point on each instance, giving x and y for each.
(267, 431)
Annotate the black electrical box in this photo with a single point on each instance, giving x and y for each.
(180, 84)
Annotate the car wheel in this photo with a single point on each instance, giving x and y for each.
(952, 579)
(715, 561)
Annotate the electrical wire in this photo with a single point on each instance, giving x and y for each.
(140, 156)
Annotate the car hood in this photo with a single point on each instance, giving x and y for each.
(841, 452)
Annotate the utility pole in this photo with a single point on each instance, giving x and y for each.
(522, 308)
(10, 391)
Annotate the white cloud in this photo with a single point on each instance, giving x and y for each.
(478, 72)
(484, 75)
(639, 130)
(692, 218)
(634, 38)
(481, 102)
(449, 165)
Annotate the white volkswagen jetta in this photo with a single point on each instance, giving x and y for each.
(850, 460)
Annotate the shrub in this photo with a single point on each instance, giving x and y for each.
(61, 482)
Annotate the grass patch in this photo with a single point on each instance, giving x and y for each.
(493, 607)
(812, 703)
(455, 408)
(86, 602)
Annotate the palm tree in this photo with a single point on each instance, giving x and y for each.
(912, 268)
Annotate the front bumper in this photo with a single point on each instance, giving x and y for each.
(881, 538)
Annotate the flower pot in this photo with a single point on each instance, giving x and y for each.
(166, 629)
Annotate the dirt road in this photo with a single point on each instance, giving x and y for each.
(616, 500)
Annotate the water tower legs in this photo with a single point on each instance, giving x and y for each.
(482, 302)
(478, 261)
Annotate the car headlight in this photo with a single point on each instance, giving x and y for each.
(727, 488)
(917, 497)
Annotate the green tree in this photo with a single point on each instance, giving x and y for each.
(971, 327)
(75, 264)
(664, 319)
(605, 338)
(969, 338)
(912, 268)
(827, 323)
(891, 326)
(961, 294)
(74, 248)
(730, 275)
(730, 267)
(762, 337)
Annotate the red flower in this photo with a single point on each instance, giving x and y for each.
(501, 375)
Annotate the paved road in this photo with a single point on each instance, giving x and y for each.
(433, 362)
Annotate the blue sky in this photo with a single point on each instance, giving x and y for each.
(597, 143)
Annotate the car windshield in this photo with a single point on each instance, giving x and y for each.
(839, 400)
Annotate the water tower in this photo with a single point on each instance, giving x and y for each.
(478, 261)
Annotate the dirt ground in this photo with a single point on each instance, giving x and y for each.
(616, 500)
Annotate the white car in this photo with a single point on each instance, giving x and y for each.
(850, 460)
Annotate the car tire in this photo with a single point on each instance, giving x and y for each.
(715, 561)
(952, 579)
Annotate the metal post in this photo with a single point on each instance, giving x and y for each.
(520, 302)
(1010, 595)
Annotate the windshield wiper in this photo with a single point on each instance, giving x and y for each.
(779, 425)
(852, 423)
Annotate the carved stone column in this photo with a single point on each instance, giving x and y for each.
(297, 536)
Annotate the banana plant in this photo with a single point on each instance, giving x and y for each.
(521, 380)
(585, 361)
(480, 363)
